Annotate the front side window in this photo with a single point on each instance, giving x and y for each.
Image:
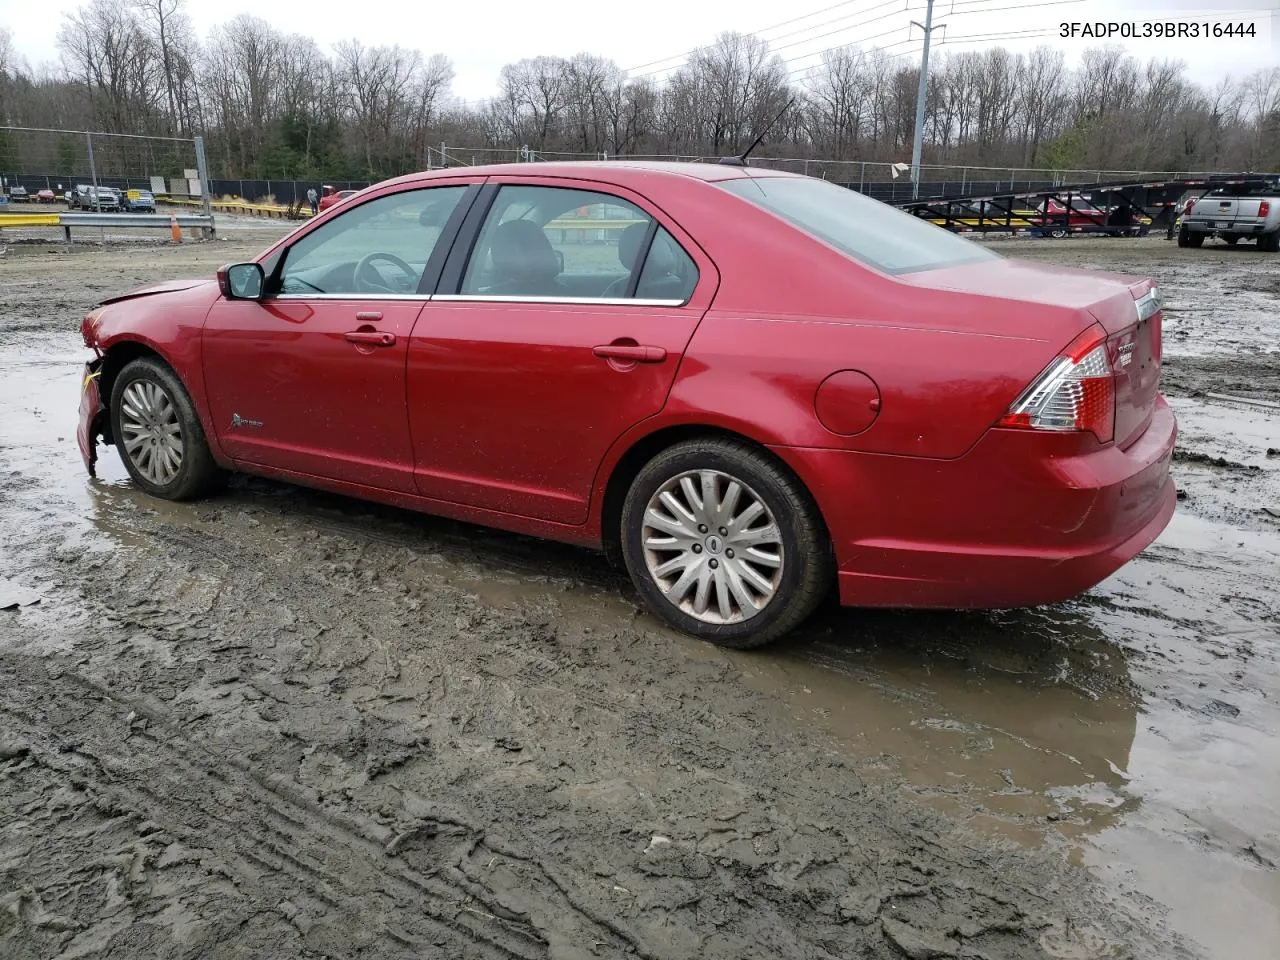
(871, 232)
(377, 248)
(560, 243)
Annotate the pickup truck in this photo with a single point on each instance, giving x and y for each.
(1242, 210)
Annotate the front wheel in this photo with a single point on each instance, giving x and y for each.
(723, 543)
(159, 436)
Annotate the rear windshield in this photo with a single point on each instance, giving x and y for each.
(871, 232)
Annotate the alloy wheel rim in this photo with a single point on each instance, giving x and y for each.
(712, 546)
(151, 432)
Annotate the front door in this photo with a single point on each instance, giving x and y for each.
(565, 329)
(312, 378)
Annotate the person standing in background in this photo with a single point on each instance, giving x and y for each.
(313, 200)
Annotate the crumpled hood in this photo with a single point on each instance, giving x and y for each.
(165, 286)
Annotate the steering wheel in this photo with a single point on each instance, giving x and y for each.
(365, 266)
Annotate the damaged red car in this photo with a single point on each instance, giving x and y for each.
(750, 388)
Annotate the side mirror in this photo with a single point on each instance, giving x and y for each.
(242, 281)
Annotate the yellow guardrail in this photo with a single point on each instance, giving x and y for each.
(28, 220)
(272, 210)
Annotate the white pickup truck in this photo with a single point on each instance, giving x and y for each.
(1243, 210)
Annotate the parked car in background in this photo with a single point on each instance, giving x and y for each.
(1249, 210)
(46, 196)
(102, 199)
(143, 201)
(108, 200)
(1057, 219)
(18, 194)
(749, 387)
(329, 196)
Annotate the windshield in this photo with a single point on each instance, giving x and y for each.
(871, 232)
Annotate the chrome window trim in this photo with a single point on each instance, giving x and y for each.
(351, 296)
(572, 301)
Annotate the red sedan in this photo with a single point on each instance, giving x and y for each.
(330, 197)
(747, 386)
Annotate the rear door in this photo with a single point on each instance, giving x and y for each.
(561, 330)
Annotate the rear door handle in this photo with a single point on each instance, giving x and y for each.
(371, 338)
(366, 316)
(629, 353)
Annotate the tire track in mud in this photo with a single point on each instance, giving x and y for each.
(197, 796)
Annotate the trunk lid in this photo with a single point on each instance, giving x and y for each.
(1110, 299)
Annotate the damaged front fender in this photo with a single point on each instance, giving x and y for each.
(93, 415)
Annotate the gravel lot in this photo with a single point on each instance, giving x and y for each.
(281, 723)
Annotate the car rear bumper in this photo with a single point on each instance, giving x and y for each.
(1226, 225)
(1012, 523)
(92, 416)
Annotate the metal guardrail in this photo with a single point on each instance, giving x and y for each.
(67, 220)
(158, 220)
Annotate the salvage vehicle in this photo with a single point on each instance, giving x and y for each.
(1246, 210)
(1057, 219)
(764, 386)
(329, 196)
(138, 200)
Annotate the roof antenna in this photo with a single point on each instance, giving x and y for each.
(741, 159)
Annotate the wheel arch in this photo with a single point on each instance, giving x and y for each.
(118, 355)
(644, 448)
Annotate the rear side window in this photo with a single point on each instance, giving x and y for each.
(869, 231)
(669, 273)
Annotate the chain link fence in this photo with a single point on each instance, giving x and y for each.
(59, 161)
(40, 165)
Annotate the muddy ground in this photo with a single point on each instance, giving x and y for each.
(280, 723)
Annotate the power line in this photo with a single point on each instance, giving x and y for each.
(755, 33)
(830, 33)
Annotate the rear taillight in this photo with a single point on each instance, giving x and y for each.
(1264, 207)
(1186, 211)
(1076, 392)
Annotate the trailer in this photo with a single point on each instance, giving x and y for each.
(1115, 208)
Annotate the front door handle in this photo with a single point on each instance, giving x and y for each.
(371, 338)
(630, 353)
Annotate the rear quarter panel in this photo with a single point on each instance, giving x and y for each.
(791, 310)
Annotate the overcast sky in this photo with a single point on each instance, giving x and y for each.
(480, 37)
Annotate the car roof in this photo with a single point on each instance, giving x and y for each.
(618, 172)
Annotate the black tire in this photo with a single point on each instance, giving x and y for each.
(1188, 239)
(806, 568)
(1269, 242)
(197, 474)
(1057, 232)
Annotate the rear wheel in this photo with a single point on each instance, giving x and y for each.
(724, 544)
(1188, 239)
(158, 434)
(1269, 242)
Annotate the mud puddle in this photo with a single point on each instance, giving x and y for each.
(441, 738)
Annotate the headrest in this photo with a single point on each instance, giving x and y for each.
(629, 244)
(521, 250)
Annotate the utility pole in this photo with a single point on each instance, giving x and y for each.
(928, 29)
